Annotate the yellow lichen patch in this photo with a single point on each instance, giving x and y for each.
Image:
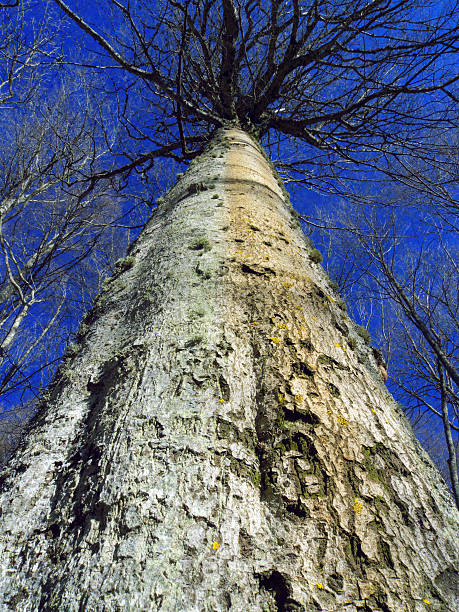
(221, 400)
(215, 545)
(357, 506)
(319, 585)
(253, 323)
(314, 318)
(274, 339)
(303, 328)
(373, 411)
(282, 326)
(330, 298)
(281, 398)
(287, 284)
(338, 345)
(299, 399)
(342, 420)
(426, 601)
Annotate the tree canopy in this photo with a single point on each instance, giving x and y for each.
(350, 81)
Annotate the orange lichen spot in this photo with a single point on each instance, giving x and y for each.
(357, 506)
(274, 339)
(299, 399)
(342, 420)
(215, 545)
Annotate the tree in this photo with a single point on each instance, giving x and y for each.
(57, 243)
(22, 59)
(220, 437)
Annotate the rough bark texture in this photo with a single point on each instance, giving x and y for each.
(220, 437)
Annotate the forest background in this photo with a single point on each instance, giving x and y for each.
(89, 146)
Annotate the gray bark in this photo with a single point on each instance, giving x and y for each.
(220, 437)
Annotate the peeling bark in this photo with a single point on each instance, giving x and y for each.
(220, 437)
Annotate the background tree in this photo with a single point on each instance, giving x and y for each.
(58, 240)
(394, 257)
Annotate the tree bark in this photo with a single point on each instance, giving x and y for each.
(220, 437)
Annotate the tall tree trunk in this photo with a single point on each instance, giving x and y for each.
(220, 437)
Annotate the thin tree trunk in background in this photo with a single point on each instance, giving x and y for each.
(220, 438)
(452, 460)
